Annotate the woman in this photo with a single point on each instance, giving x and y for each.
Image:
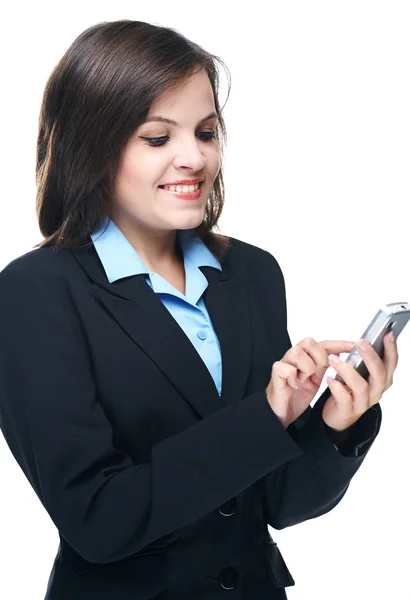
(148, 387)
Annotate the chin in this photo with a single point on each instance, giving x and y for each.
(188, 221)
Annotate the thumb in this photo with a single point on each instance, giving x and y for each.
(339, 407)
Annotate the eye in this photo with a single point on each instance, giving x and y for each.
(208, 135)
(204, 136)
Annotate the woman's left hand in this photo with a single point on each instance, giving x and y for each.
(344, 407)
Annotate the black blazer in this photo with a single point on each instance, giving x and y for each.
(159, 488)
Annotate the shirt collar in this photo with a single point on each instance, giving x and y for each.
(120, 259)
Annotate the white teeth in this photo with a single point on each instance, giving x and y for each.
(182, 189)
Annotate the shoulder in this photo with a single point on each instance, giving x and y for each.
(257, 260)
(34, 268)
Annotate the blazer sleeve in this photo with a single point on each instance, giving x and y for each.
(106, 506)
(316, 481)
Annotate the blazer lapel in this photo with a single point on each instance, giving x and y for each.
(141, 314)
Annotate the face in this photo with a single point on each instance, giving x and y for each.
(183, 151)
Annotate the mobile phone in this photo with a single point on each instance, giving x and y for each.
(390, 317)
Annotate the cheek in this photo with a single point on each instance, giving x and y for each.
(213, 161)
(138, 170)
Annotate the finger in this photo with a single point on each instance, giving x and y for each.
(283, 374)
(316, 352)
(346, 411)
(377, 370)
(319, 353)
(320, 359)
(343, 393)
(353, 379)
(391, 358)
(337, 346)
(311, 357)
(300, 359)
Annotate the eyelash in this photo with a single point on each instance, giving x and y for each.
(160, 141)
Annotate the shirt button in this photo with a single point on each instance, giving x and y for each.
(228, 578)
(228, 509)
(202, 335)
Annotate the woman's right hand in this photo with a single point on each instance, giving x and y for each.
(297, 377)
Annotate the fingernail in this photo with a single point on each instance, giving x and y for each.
(363, 345)
(392, 337)
(334, 359)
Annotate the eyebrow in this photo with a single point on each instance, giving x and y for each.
(171, 122)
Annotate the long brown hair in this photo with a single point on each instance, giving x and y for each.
(98, 94)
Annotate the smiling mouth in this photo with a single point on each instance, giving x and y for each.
(197, 186)
(195, 195)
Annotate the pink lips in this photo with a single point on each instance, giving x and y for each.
(183, 182)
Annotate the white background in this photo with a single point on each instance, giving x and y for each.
(317, 173)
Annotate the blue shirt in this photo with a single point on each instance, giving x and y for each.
(120, 259)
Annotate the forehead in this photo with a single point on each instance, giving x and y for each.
(195, 95)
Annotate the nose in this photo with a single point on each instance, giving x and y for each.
(190, 155)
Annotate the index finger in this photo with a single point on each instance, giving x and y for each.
(337, 346)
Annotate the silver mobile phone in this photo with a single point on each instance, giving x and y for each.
(390, 317)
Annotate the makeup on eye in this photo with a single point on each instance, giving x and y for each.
(161, 140)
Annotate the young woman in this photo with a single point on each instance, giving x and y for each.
(148, 387)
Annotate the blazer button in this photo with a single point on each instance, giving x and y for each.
(228, 578)
(229, 508)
